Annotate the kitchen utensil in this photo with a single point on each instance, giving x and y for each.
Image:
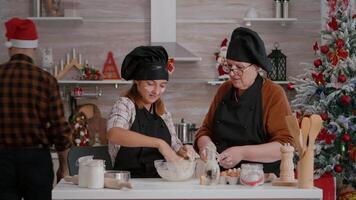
(122, 176)
(315, 125)
(294, 130)
(306, 162)
(185, 131)
(305, 131)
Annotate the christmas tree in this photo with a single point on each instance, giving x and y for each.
(328, 89)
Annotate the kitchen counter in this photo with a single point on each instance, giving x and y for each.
(160, 189)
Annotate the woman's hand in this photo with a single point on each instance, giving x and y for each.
(167, 152)
(231, 157)
(188, 152)
(202, 144)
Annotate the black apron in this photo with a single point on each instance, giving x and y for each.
(140, 160)
(238, 121)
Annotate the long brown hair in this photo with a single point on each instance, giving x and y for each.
(136, 97)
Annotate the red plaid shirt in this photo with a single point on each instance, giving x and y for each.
(31, 109)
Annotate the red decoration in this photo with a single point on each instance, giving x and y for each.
(290, 86)
(318, 78)
(170, 65)
(327, 184)
(346, 137)
(324, 49)
(316, 46)
(333, 24)
(77, 91)
(323, 135)
(343, 54)
(110, 69)
(338, 168)
(341, 78)
(354, 16)
(340, 43)
(345, 100)
(352, 152)
(324, 116)
(317, 63)
(334, 59)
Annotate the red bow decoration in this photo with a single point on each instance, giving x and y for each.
(333, 24)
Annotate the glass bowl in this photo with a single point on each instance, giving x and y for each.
(177, 171)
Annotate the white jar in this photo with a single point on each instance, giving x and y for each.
(252, 174)
(96, 169)
(83, 170)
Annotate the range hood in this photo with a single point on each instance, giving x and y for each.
(163, 30)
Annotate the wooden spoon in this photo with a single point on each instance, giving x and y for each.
(305, 131)
(293, 127)
(315, 125)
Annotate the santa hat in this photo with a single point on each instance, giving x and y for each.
(21, 33)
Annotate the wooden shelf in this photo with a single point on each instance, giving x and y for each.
(76, 19)
(217, 82)
(85, 82)
(282, 21)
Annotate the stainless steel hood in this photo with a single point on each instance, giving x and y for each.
(163, 30)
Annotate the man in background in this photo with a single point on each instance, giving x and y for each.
(31, 120)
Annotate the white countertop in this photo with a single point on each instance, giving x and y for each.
(160, 189)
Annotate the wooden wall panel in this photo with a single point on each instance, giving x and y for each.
(121, 25)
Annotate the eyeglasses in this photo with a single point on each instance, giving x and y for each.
(237, 70)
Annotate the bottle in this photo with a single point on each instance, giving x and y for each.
(211, 169)
(278, 10)
(96, 140)
(96, 169)
(285, 8)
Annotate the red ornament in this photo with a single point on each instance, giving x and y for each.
(345, 100)
(346, 137)
(330, 138)
(341, 78)
(290, 86)
(340, 43)
(338, 168)
(324, 116)
(317, 63)
(110, 69)
(324, 49)
(354, 16)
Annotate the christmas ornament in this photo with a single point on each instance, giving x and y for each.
(90, 73)
(341, 78)
(317, 63)
(324, 116)
(340, 43)
(338, 168)
(345, 100)
(324, 49)
(346, 137)
(290, 86)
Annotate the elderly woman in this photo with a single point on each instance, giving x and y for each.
(140, 129)
(246, 118)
